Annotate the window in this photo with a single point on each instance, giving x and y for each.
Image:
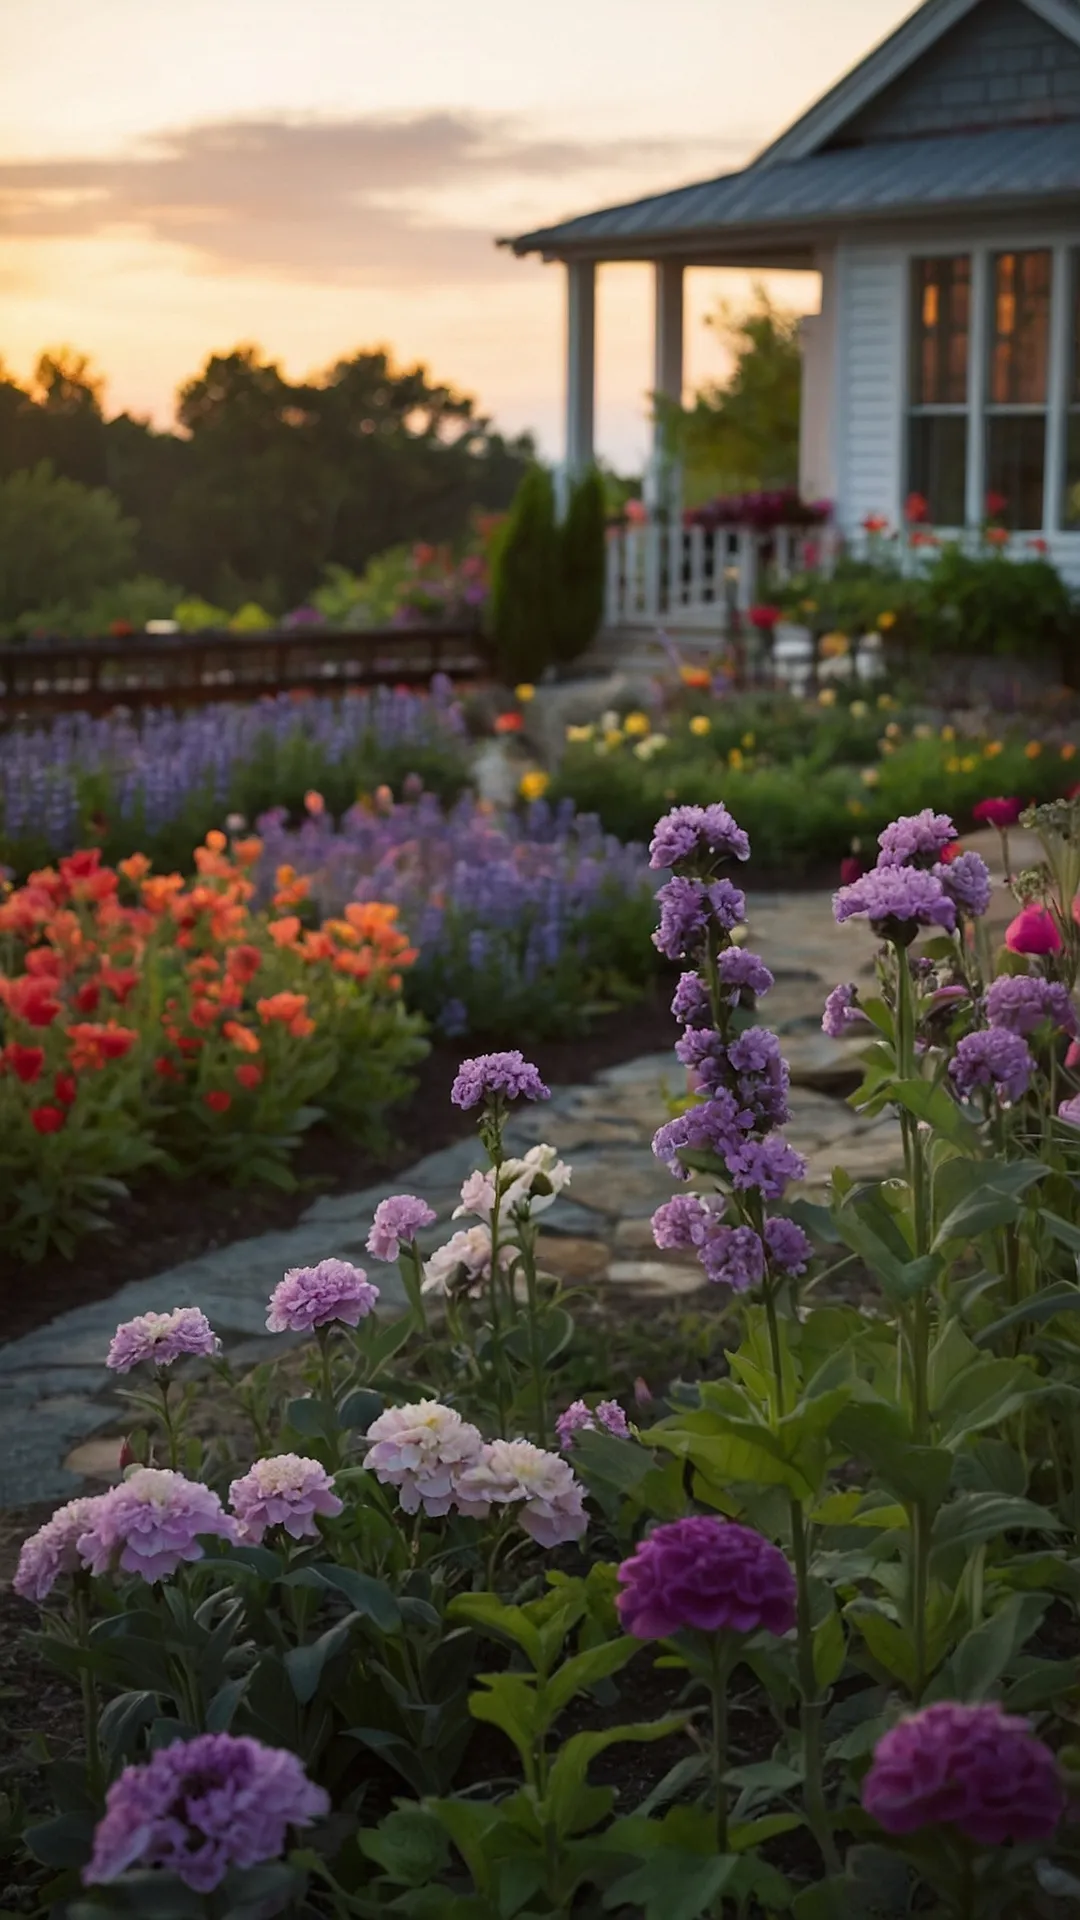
(1070, 512)
(938, 385)
(1018, 356)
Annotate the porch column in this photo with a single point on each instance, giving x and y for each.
(580, 365)
(662, 488)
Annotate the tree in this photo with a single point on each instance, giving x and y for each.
(742, 433)
(59, 541)
(580, 607)
(524, 581)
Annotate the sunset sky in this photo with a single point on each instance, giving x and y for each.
(322, 175)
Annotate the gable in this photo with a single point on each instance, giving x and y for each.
(1002, 65)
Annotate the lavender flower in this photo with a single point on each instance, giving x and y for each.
(691, 1003)
(580, 1418)
(151, 1523)
(703, 835)
(160, 1338)
(717, 1126)
(996, 1059)
(553, 1510)
(508, 1076)
(897, 901)
(915, 837)
(734, 1257)
(789, 1247)
(200, 1807)
(287, 1491)
(310, 1297)
(975, 1769)
(398, 1219)
(690, 908)
(1069, 1111)
(1022, 1002)
(967, 882)
(766, 1164)
(706, 1576)
(842, 1011)
(742, 972)
(422, 1450)
(53, 1549)
(687, 1220)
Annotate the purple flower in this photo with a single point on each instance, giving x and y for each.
(1021, 1002)
(152, 1522)
(201, 1806)
(994, 1058)
(1069, 1111)
(706, 1575)
(160, 1338)
(841, 1011)
(766, 1164)
(580, 1418)
(915, 837)
(704, 835)
(400, 1218)
(896, 901)
(734, 1257)
(53, 1549)
(691, 1003)
(762, 1076)
(967, 882)
(718, 1126)
(743, 972)
(506, 1075)
(789, 1247)
(689, 908)
(287, 1491)
(687, 1220)
(702, 1050)
(311, 1297)
(973, 1768)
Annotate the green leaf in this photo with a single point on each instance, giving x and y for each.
(511, 1704)
(887, 1642)
(1042, 1306)
(585, 1669)
(64, 1841)
(368, 1597)
(1063, 1231)
(830, 1650)
(975, 1667)
(881, 1436)
(621, 1464)
(940, 1111)
(674, 1886)
(974, 1517)
(304, 1665)
(309, 1416)
(994, 1202)
(571, 1764)
(359, 1408)
(409, 1844)
(492, 1615)
(123, 1720)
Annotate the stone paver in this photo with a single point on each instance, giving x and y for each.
(59, 1416)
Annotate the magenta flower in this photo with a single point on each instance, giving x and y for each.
(1033, 931)
(1000, 813)
(400, 1218)
(996, 1059)
(973, 1768)
(310, 1297)
(287, 1490)
(53, 1549)
(579, 1417)
(1021, 1002)
(200, 1807)
(160, 1338)
(701, 835)
(151, 1523)
(706, 1575)
(506, 1075)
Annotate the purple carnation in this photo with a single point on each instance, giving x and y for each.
(400, 1218)
(708, 1576)
(691, 1003)
(160, 1338)
(717, 1126)
(202, 1806)
(311, 1297)
(766, 1164)
(705, 835)
(580, 1418)
(734, 1257)
(151, 1523)
(967, 882)
(897, 900)
(53, 1549)
(915, 837)
(743, 972)
(973, 1768)
(789, 1247)
(690, 908)
(687, 1220)
(842, 1011)
(993, 1058)
(1021, 1002)
(287, 1490)
(506, 1075)
(1069, 1111)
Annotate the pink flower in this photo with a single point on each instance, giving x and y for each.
(160, 1338)
(285, 1491)
(1000, 813)
(580, 1417)
(151, 1523)
(1033, 931)
(423, 1450)
(311, 1297)
(508, 1470)
(973, 1768)
(400, 1218)
(53, 1549)
(705, 1574)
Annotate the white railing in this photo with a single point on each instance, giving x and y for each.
(697, 576)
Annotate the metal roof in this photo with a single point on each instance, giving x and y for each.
(880, 180)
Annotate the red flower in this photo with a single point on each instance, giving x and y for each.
(30, 1000)
(1039, 545)
(79, 866)
(217, 1100)
(508, 723)
(66, 1087)
(996, 504)
(916, 508)
(875, 523)
(999, 812)
(997, 536)
(165, 1069)
(249, 1076)
(851, 869)
(119, 981)
(47, 1119)
(765, 618)
(244, 962)
(25, 1062)
(92, 1044)
(88, 996)
(43, 963)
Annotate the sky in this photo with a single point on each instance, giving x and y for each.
(318, 176)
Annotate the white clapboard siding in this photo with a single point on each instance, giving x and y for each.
(870, 396)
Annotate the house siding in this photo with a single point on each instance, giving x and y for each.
(869, 413)
(1002, 66)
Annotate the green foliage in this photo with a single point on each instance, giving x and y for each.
(60, 541)
(742, 433)
(129, 604)
(580, 607)
(525, 582)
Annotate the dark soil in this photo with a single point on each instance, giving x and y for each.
(165, 1221)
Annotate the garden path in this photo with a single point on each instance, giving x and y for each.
(59, 1415)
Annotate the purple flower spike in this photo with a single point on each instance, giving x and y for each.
(742, 972)
(158, 1339)
(689, 908)
(734, 1257)
(202, 1806)
(842, 1011)
(789, 1247)
(691, 1003)
(708, 1576)
(579, 1418)
(507, 1074)
(311, 1297)
(397, 1219)
(688, 1220)
(766, 1164)
(994, 1058)
(897, 901)
(702, 835)
(972, 1768)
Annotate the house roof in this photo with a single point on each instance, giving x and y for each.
(885, 180)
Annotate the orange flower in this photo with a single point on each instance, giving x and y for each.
(292, 894)
(203, 967)
(317, 946)
(282, 1007)
(997, 536)
(43, 963)
(135, 867)
(1033, 750)
(159, 889)
(216, 840)
(314, 802)
(301, 1027)
(217, 1100)
(356, 965)
(249, 1077)
(241, 1036)
(1068, 751)
(93, 1044)
(246, 852)
(508, 723)
(284, 933)
(696, 677)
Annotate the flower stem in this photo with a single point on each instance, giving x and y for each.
(172, 1438)
(718, 1685)
(811, 1707)
(88, 1688)
(918, 1327)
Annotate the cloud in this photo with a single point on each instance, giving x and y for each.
(374, 200)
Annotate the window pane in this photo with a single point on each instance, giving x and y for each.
(1020, 329)
(1015, 452)
(940, 294)
(937, 464)
(1070, 508)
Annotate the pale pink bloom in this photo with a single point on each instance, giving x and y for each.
(52, 1550)
(553, 1500)
(464, 1264)
(161, 1338)
(152, 1522)
(287, 1490)
(534, 1182)
(422, 1449)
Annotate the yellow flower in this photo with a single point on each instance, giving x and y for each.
(920, 731)
(894, 730)
(969, 763)
(578, 735)
(993, 748)
(637, 724)
(858, 709)
(948, 733)
(856, 807)
(654, 743)
(808, 606)
(952, 764)
(613, 737)
(886, 620)
(1068, 751)
(735, 760)
(834, 646)
(701, 725)
(533, 786)
(886, 702)
(1033, 749)
(525, 692)
(827, 697)
(870, 776)
(749, 741)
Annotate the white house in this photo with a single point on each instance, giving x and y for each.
(936, 192)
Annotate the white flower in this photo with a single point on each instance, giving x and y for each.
(508, 1470)
(477, 1195)
(464, 1264)
(422, 1449)
(530, 1184)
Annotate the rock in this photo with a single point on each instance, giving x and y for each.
(571, 1259)
(655, 1276)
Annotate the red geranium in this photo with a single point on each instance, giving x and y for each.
(47, 1119)
(916, 508)
(119, 981)
(218, 1100)
(996, 504)
(87, 997)
(998, 536)
(765, 618)
(877, 522)
(30, 1000)
(508, 723)
(249, 1076)
(66, 1087)
(25, 1062)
